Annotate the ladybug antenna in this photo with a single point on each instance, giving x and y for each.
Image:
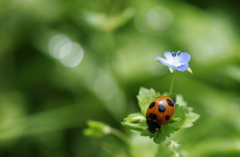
(158, 133)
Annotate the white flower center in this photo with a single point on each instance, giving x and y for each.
(175, 62)
(174, 59)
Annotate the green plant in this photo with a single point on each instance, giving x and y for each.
(136, 122)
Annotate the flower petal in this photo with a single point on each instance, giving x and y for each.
(168, 56)
(182, 67)
(163, 61)
(184, 57)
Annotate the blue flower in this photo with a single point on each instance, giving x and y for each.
(175, 61)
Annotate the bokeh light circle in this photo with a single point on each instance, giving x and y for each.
(56, 43)
(159, 18)
(156, 19)
(73, 57)
(140, 21)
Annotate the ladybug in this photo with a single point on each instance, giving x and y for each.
(159, 112)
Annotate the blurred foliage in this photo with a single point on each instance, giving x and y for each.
(65, 62)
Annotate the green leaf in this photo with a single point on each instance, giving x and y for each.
(135, 118)
(145, 97)
(189, 70)
(190, 118)
(182, 118)
(96, 129)
(107, 23)
(136, 122)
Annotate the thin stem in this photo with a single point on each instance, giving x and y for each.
(171, 87)
(120, 135)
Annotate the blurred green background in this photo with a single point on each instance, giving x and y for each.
(64, 62)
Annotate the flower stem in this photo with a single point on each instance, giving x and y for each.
(120, 135)
(171, 87)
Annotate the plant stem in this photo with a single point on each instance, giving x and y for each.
(120, 135)
(171, 87)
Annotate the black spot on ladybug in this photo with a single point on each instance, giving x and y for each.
(161, 108)
(167, 117)
(152, 116)
(152, 105)
(170, 103)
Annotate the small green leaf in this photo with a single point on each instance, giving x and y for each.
(135, 122)
(171, 69)
(181, 101)
(190, 118)
(173, 145)
(145, 97)
(135, 118)
(96, 129)
(170, 149)
(189, 70)
(173, 120)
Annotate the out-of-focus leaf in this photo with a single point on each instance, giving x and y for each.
(103, 22)
(96, 129)
(232, 71)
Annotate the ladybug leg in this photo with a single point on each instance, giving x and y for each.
(158, 130)
(158, 133)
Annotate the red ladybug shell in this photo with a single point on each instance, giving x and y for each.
(160, 111)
